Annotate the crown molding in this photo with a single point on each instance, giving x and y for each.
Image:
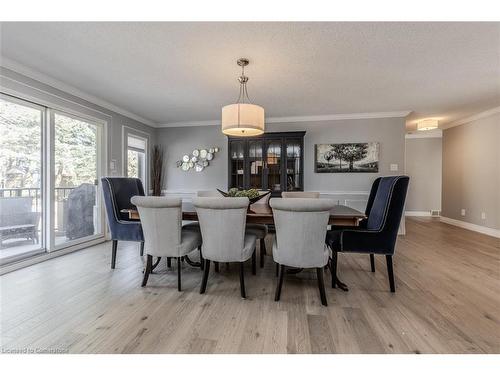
(189, 123)
(59, 85)
(475, 117)
(277, 120)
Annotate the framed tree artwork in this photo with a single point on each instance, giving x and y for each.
(346, 158)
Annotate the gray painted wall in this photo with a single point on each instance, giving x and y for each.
(389, 132)
(20, 85)
(423, 165)
(471, 172)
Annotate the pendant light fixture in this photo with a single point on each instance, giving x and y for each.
(243, 119)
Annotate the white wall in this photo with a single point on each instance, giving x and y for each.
(424, 166)
(471, 172)
(389, 132)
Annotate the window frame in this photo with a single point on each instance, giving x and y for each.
(49, 108)
(139, 134)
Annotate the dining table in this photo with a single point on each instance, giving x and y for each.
(259, 213)
(263, 214)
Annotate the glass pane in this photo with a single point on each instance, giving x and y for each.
(236, 152)
(76, 211)
(255, 164)
(293, 151)
(273, 164)
(136, 165)
(20, 180)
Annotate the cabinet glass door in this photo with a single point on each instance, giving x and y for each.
(255, 164)
(273, 165)
(293, 167)
(237, 164)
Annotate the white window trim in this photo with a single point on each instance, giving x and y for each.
(101, 172)
(126, 131)
(49, 107)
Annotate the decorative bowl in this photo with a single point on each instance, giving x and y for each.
(252, 200)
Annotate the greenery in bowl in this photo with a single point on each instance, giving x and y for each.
(250, 193)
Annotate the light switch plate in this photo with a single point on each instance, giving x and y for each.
(462, 212)
(394, 167)
(112, 165)
(483, 215)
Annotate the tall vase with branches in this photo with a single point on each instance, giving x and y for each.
(157, 170)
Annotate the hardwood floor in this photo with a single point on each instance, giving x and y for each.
(447, 300)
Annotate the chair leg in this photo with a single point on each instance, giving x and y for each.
(169, 262)
(372, 262)
(206, 270)
(147, 271)
(114, 246)
(390, 272)
(280, 282)
(242, 280)
(179, 267)
(217, 267)
(263, 251)
(155, 264)
(142, 248)
(277, 269)
(333, 269)
(202, 261)
(321, 286)
(254, 262)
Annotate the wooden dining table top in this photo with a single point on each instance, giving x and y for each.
(263, 214)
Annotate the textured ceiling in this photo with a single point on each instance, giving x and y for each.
(184, 72)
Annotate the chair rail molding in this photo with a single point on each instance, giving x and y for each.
(323, 194)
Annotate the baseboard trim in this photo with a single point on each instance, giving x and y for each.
(474, 227)
(418, 213)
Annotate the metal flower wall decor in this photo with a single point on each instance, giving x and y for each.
(198, 160)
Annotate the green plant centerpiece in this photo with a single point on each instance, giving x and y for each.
(250, 193)
(253, 195)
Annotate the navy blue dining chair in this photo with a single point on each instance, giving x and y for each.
(117, 193)
(377, 234)
(362, 223)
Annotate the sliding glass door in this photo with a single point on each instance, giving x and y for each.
(51, 163)
(21, 168)
(75, 179)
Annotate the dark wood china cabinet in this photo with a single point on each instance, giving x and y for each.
(272, 161)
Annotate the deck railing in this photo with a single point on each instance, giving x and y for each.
(61, 193)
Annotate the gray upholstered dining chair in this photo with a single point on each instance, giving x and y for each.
(300, 194)
(194, 225)
(300, 231)
(208, 193)
(260, 230)
(161, 220)
(222, 223)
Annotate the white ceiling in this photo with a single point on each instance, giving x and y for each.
(184, 72)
